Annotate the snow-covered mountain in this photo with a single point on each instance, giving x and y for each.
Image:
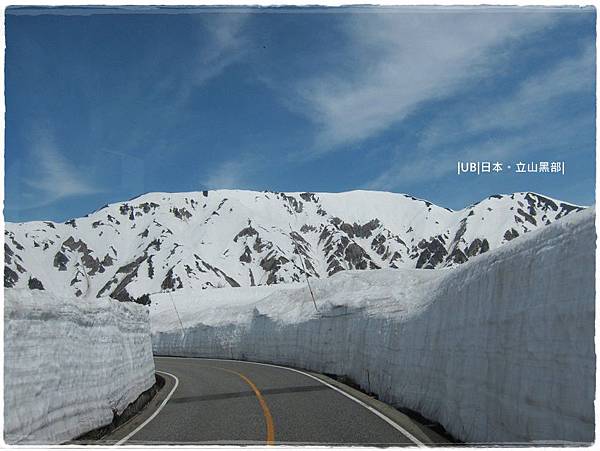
(161, 242)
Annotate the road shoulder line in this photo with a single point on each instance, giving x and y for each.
(427, 436)
(362, 403)
(155, 413)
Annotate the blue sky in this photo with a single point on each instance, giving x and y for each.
(105, 104)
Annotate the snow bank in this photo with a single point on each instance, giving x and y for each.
(70, 364)
(185, 308)
(498, 350)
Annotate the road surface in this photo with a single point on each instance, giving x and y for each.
(231, 402)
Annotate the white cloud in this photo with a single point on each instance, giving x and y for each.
(232, 174)
(226, 46)
(398, 60)
(220, 44)
(52, 176)
(535, 98)
(522, 120)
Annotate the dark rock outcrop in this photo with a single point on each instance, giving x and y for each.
(34, 284)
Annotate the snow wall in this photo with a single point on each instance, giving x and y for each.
(500, 349)
(69, 365)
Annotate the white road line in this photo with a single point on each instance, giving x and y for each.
(388, 420)
(163, 404)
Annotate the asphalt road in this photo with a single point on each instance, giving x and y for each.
(230, 402)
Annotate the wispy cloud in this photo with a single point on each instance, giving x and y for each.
(162, 87)
(399, 61)
(51, 176)
(231, 174)
(526, 121)
(536, 98)
(221, 43)
(228, 44)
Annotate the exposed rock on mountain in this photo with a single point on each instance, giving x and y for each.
(165, 242)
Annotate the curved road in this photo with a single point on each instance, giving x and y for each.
(231, 402)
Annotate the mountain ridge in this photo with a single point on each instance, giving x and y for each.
(158, 242)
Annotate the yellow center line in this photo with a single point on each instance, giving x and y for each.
(263, 404)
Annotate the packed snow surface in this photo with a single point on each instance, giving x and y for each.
(70, 364)
(498, 350)
(172, 311)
